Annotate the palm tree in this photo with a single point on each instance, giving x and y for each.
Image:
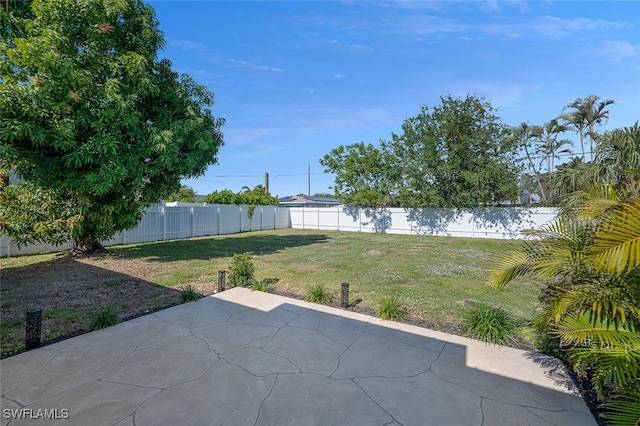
(526, 137)
(587, 113)
(591, 259)
(618, 156)
(551, 148)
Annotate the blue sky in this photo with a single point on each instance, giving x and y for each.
(295, 79)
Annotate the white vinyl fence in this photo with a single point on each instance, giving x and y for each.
(489, 222)
(184, 220)
(179, 220)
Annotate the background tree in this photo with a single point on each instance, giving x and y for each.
(88, 111)
(185, 194)
(363, 175)
(258, 196)
(528, 138)
(454, 155)
(551, 149)
(587, 112)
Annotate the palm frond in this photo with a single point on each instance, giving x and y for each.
(606, 299)
(580, 329)
(612, 352)
(624, 408)
(616, 246)
(553, 250)
(505, 269)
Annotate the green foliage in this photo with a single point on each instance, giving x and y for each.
(362, 174)
(489, 324)
(104, 317)
(264, 285)
(590, 259)
(389, 308)
(242, 270)
(317, 293)
(624, 408)
(428, 164)
(89, 112)
(585, 115)
(32, 214)
(185, 194)
(189, 294)
(258, 196)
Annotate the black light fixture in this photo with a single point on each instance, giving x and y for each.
(221, 278)
(344, 293)
(33, 328)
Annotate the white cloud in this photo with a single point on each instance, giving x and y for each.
(186, 44)
(249, 65)
(502, 94)
(338, 76)
(618, 49)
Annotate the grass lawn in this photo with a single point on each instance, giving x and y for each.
(431, 276)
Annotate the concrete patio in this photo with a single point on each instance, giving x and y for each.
(243, 357)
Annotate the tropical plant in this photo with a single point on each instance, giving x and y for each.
(590, 258)
(242, 270)
(527, 137)
(618, 157)
(587, 112)
(551, 149)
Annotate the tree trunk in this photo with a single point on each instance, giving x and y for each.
(86, 247)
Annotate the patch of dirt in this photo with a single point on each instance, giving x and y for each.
(372, 253)
(69, 290)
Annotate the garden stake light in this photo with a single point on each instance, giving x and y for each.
(221, 278)
(33, 328)
(344, 293)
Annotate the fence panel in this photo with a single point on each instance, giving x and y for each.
(176, 221)
(490, 222)
(184, 220)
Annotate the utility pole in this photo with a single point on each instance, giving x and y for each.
(266, 182)
(309, 180)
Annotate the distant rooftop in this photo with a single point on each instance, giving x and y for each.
(306, 201)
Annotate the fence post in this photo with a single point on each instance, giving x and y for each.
(164, 221)
(193, 222)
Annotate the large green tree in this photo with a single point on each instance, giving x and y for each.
(90, 115)
(363, 175)
(454, 155)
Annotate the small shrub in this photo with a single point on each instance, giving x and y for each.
(489, 324)
(242, 270)
(104, 317)
(389, 308)
(189, 294)
(264, 285)
(317, 293)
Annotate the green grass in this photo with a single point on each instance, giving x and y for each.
(432, 276)
(435, 275)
